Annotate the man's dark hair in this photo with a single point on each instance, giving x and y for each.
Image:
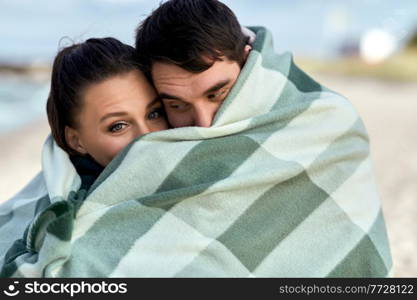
(191, 34)
(74, 69)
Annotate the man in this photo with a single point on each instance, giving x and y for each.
(195, 53)
(193, 57)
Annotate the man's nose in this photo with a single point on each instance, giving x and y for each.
(203, 116)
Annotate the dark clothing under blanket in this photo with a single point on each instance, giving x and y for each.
(88, 169)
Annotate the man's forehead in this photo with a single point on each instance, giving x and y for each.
(163, 70)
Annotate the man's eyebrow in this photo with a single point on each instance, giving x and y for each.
(168, 96)
(212, 89)
(217, 86)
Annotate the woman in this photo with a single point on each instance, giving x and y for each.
(99, 102)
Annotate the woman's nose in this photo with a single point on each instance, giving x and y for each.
(142, 129)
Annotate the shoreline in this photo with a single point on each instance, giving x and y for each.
(41, 72)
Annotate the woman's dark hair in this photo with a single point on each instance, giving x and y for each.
(74, 69)
(191, 34)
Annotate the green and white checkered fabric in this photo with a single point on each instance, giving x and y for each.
(280, 186)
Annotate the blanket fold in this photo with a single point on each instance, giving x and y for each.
(281, 185)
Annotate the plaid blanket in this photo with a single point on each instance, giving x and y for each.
(280, 186)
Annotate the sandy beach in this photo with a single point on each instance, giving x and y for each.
(389, 112)
(20, 156)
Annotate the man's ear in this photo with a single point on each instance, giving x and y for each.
(72, 137)
(246, 51)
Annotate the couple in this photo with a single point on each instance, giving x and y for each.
(264, 173)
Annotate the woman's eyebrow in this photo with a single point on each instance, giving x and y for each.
(154, 101)
(113, 114)
(123, 113)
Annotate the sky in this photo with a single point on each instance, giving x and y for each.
(32, 31)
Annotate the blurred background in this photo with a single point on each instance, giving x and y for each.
(363, 49)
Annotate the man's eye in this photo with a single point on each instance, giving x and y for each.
(214, 97)
(117, 127)
(177, 105)
(155, 114)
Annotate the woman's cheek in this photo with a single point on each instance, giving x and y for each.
(109, 147)
(117, 144)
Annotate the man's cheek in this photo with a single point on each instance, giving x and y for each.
(177, 119)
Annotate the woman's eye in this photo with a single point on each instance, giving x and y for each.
(116, 127)
(155, 114)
